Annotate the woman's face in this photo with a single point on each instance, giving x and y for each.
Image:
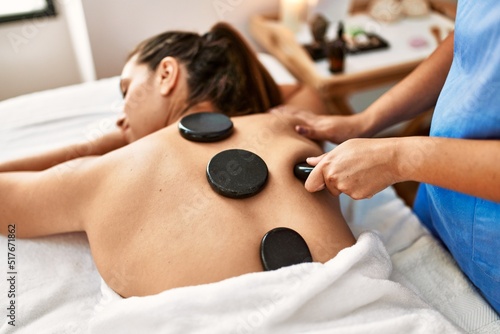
(144, 108)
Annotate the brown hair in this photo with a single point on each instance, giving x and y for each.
(221, 66)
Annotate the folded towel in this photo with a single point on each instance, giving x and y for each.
(351, 293)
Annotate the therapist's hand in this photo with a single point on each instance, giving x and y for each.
(336, 129)
(359, 168)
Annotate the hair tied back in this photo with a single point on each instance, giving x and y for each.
(208, 36)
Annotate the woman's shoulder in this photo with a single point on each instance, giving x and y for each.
(269, 123)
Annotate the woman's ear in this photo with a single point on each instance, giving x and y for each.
(168, 74)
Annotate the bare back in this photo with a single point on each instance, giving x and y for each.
(155, 223)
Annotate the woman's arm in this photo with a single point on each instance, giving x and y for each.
(99, 146)
(53, 201)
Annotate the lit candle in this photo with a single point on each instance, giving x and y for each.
(292, 13)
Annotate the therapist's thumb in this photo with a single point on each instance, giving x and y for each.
(315, 180)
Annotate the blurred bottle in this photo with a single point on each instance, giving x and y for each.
(336, 51)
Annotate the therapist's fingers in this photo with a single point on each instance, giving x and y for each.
(313, 161)
(307, 123)
(312, 133)
(358, 168)
(317, 127)
(314, 185)
(316, 180)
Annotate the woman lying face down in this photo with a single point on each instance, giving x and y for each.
(151, 217)
(154, 222)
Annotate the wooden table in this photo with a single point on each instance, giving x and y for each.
(362, 71)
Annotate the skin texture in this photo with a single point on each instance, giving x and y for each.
(362, 167)
(154, 223)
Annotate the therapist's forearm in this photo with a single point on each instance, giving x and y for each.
(417, 93)
(463, 165)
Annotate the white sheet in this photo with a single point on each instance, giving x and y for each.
(351, 293)
(435, 276)
(58, 285)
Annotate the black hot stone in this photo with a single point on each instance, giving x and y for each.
(283, 247)
(302, 170)
(237, 173)
(206, 127)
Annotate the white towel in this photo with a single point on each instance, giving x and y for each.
(351, 293)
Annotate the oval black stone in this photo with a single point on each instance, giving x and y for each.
(206, 127)
(237, 173)
(282, 247)
(302, 170)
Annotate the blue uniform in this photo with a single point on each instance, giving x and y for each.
(469, 107)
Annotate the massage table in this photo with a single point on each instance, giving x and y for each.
(396, 279)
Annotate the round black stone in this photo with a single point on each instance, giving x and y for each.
(206, 127)
(237, 173)
(282, 247)
(302, 170)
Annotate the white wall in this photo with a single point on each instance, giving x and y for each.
(116, 26)
(36, 54)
